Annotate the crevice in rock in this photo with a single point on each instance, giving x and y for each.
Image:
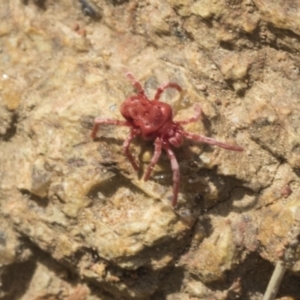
(12, 129)
(16, 278)
(89, 9)
(40, 201)
(282, 33)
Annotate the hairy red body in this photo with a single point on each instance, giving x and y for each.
(153, 120)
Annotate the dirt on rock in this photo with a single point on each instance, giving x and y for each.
(77, 222)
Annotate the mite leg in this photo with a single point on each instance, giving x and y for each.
(135, 83)
(99, 121)
(195, 118)
(176, 174)
(156, 155)
(167, 85)
(126, 151)
(210, 141)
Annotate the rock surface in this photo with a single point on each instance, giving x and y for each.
(77, 220)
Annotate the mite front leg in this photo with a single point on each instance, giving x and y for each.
(195, 118)
(99, 121)
(135, 83)
(210, 141)
(156, 155)
(167, 85)
(176, 174)
(126, 151)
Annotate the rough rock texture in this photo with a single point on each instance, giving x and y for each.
(76, 221)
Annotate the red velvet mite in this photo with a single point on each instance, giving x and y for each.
(153, 120)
